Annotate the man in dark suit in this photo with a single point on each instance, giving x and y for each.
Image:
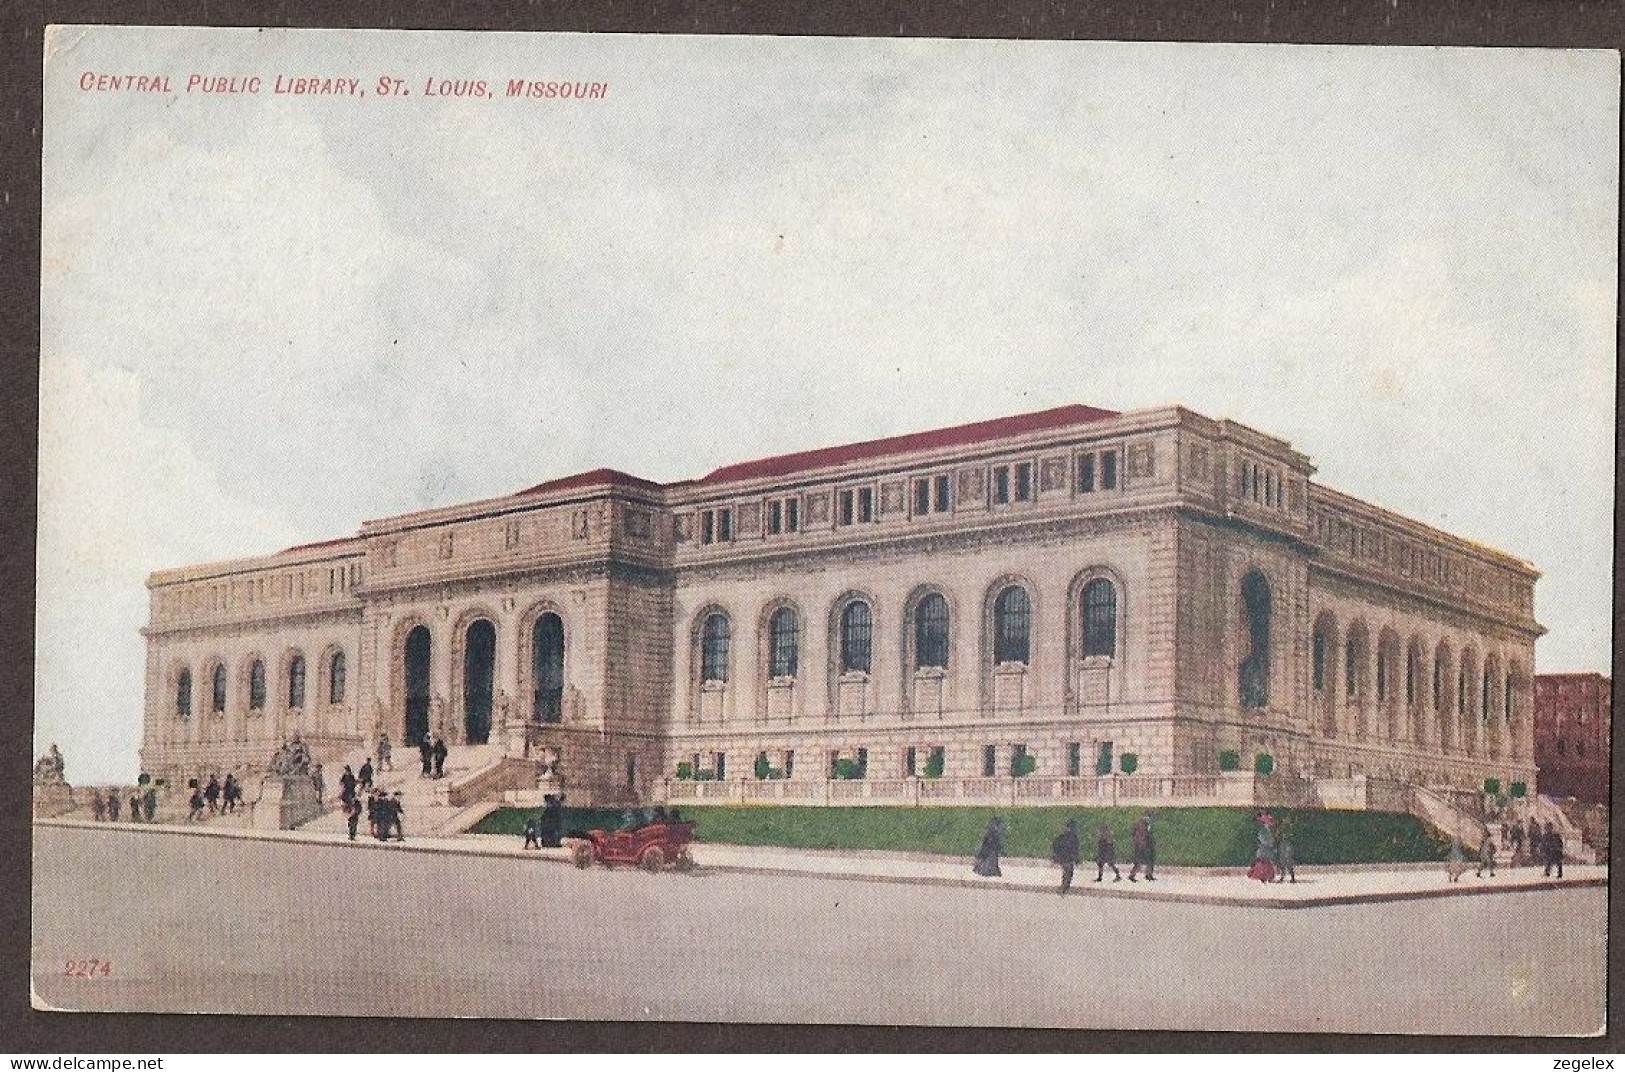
(440, 753)
(1066, 851)
(1145, 850)
(1553, 843)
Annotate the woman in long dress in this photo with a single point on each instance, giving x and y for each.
(987, 857)
(1263, 868)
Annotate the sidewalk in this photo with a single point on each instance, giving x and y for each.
(1316, 886)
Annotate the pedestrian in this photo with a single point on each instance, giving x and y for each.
(397, 809)
(98, 806)
(352, 814)
(112, 805)
(1536, 843)
(231, 792)
(440, 754)
(1263, 867)
(364, 775)
(211, 794)
(1145, 849)
(1066, 851)
(987, 855)
(195, 803)
(135, 808)
(551, 828)
(426, 753)
(1486, 854)
(1455, 861)
(347, 784)
(384, 762)
(1286, 858)
(372, 814)
(1515, 833)
(532, 841)
(149, 803)
(1106, 855)
(1552, 841)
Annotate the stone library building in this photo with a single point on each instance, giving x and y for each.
(1047, 601)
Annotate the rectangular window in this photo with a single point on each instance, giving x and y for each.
(863, 762)
(866, 504)
(789, 762)
(1320, 662)
(1001, 485)
(944, 494)
(834, 764)
(936, 762)
(708, 526)
(1074, 759)
(725, 525)
(631, 771)
(922, 497)
(1108, 470)
(1086, 473)
(1024, 482)
(775, 518)
(844, 516)
(792, 515)
(722, 765)
(908, 762)
(990, 761)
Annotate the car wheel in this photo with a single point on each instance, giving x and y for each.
(653, 858)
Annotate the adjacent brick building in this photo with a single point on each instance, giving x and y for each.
(1573, 716)
(1057, 591)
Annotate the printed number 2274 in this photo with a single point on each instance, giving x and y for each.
(88, 969)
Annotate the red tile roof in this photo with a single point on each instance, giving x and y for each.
(957, 436)
(589, 479)
(823, 457)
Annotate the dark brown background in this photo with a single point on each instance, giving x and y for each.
(1501, 23)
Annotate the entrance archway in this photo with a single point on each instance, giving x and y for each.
(479, 667)
(417, 685)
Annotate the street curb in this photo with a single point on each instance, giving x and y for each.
(561, 856)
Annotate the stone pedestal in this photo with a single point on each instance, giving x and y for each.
(286, 802)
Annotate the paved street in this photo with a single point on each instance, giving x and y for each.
(216, 924)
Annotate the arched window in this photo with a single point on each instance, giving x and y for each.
(1438, 682)
(1412, 659)
(1351, 668)
(857, 636)
(256, 686)
(547, 668)
(296, 682)
(183, 695)
(931, 632)
(1486, 693)
(714, 649)
(219, 697)
(1506, 697)
(335, 679)
(1255, 667)
(1099, 617)
(783, 643)
(1012, 626)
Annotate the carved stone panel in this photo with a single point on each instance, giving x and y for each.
(892, 500)
(1052, 475)
(818, 508)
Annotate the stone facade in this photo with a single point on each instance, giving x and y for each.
(1074, 586)
(1573, 729)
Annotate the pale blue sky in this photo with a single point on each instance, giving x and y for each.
(267, 319)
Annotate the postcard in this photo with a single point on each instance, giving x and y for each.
(813, 530)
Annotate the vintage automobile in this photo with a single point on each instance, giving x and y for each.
(653, 847)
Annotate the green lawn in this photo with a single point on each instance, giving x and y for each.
(1204, 837)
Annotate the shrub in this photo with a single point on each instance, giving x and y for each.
(848, 770)
(1229, 761)
(763, 769)
(685, 772)
(1264, 763)
(1023, 764)
(1131, 762)
(705, 776)
(933, 765)
(1492, 787)
(1103, 764)
(1519, 790)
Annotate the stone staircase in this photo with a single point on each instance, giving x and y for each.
(429, 809)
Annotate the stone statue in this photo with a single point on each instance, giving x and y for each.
(48, 769)
(291, 758)
(503, 704)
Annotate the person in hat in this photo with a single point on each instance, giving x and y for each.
(1066, 851)
(1486, 854)
(1106, 855)
(987, 854)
